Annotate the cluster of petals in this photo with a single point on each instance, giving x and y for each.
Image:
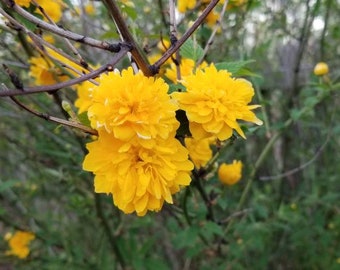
(45, 72)
(140, 174)
(199, 150)
(19, 243)
(214, 102)
(186, 68)
(136, 157)
(230, 174)
(129, 104)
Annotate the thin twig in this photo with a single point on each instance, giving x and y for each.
(54, 119)
(175, 47)
(234, 215)
(112, 47)
(68, 43)
(50, 88)
(173, 37)
(300, 168)
(137, 53)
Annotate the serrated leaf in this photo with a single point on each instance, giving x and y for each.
(191, 50)
(233, 67)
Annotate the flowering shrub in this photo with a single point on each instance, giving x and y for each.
(149, 106)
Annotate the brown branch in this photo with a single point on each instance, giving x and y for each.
(175, 47)
(68, 43)
(55, 119)
(112, 47)
(50, 88)
(137, 53)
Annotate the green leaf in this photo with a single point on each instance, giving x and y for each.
(191, 50)
(131, 12)
(212, 228)
(175, 88)
(295, 114)
(233, 67)
(84, 119)
(7, 185)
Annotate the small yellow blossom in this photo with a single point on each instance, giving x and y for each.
(53, 8)
(321, 69)
(18, 243)
(130, 105)
(214, 102)
(293, 206)
(187, 67)
(230, 174)
(184, 5)
(90, 9)
(163, 45)
(84, 100)
(199, 150)
(45, 72)
(212, 18)
(140, 177)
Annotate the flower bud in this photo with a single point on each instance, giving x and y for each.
(320, 69)
(230, 174)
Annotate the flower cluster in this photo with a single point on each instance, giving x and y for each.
(18, 243)
(137, 157)
(214, 102)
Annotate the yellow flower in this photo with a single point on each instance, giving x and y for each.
(199, 150)
(90, 9)
(230, 174)
(53, 8)
(84, 100)
(187, 67)
(184, 5)
(214, 102)
(130, 105)
(212, 18)
(163, 45)
(18, 243)
(24, 3)
(321, 68)
(45, 72)
(140, 175)
(42, 71)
